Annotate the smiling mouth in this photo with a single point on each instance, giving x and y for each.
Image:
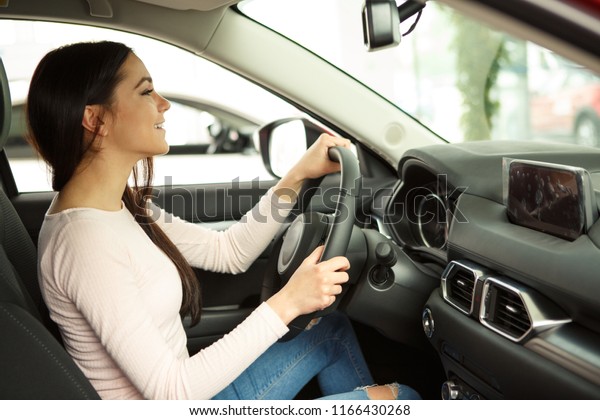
(159, 126)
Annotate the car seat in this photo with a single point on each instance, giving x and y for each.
(33, 364)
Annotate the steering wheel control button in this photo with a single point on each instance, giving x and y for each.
(428, 324)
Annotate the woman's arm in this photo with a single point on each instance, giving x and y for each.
(235, 249)
(232, 250)
(92, 282)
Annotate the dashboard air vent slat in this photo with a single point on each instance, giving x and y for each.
(460, 286)
(461, 289)
(506, 312)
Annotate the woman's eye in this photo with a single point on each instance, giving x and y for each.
(147, 91)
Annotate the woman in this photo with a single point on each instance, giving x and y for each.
(115, 270)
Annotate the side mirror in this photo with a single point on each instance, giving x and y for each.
(283, 142)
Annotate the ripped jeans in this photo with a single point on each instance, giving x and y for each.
(329, 350)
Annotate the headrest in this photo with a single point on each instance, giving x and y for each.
(5, 106)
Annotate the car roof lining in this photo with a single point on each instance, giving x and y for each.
(200, 18)
(193, 31)
(201, 5)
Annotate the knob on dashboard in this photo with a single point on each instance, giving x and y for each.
(382, 273)
(451, 391)
(427, 321)
(385, 254)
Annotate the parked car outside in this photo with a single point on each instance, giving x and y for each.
(568, 106)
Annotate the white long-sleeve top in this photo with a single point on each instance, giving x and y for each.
(116, 299)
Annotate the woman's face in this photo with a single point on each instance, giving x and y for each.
(137, 115)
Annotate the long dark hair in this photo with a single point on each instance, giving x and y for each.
(67, 80)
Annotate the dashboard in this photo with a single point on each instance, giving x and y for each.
(515, 312)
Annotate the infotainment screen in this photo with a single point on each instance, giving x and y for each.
(555, 199)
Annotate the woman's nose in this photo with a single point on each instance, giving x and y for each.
(163, 104)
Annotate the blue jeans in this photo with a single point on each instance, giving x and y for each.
(329, 350)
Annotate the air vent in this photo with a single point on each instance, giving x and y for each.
(458, 284)
(460, 289)
(503, 310)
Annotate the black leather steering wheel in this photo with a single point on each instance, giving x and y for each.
(310, 229)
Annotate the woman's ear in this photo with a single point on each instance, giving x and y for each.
(92, 120)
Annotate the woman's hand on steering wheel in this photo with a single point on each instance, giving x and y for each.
(313, 164)
(313, 286)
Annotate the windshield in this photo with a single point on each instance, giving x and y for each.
(463, 80)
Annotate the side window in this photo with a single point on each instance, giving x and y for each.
(189, 125)
(210, 124)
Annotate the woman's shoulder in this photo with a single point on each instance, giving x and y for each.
(84, 224)
(84, 216)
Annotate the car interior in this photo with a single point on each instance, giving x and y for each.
(474, 264)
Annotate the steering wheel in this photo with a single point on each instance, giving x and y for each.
(311, 229)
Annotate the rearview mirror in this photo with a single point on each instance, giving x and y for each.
(381, 24)
(283, 142)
